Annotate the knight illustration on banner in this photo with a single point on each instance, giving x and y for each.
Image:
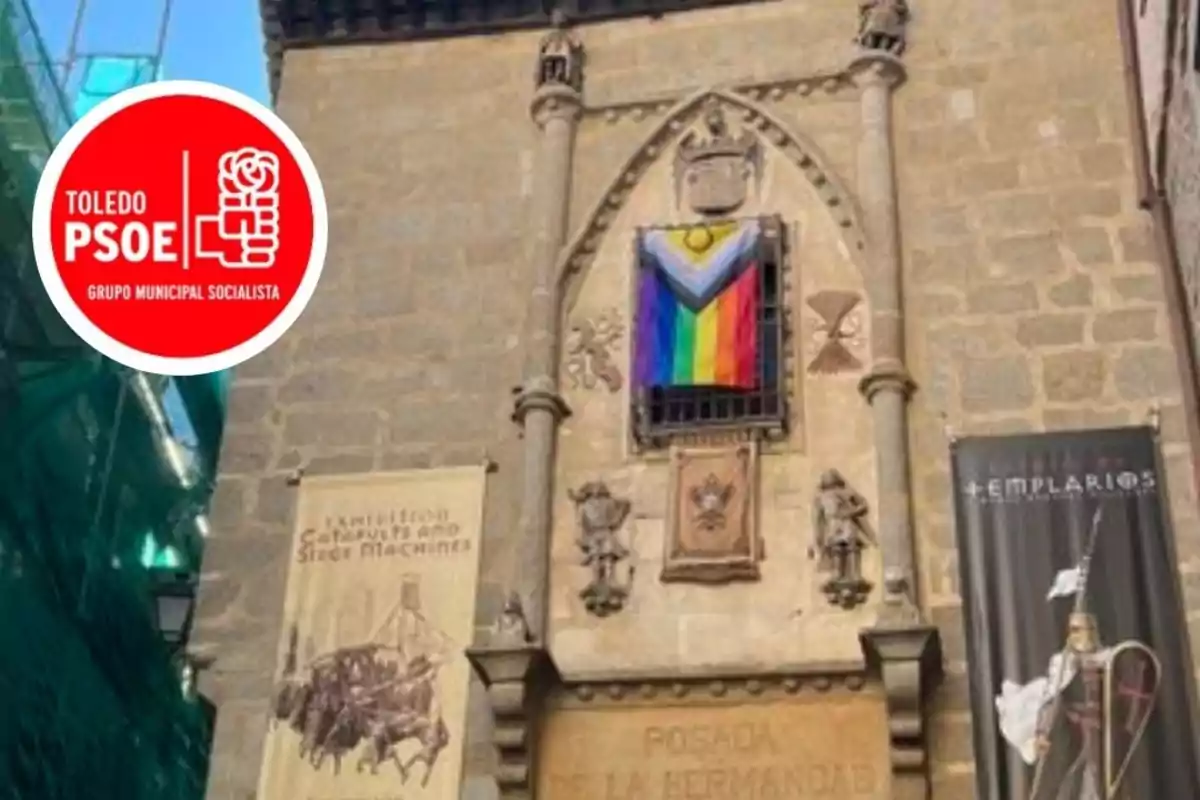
(1080, 726)
(378, 699)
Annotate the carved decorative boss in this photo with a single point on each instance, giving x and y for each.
(589, 352)
(882, 24)
(560, 56)
(600, 517)
(840, 534)
(712, 530)
(836, 332)
(511, 627)
(713, 167)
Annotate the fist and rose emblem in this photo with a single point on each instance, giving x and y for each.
(244, 233)
(146, 243)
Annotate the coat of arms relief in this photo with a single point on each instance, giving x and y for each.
(714, 167)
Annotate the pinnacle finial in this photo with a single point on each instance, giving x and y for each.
(560, 54)
(714, 120)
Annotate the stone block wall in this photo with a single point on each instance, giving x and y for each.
(1182, 183)
(407, 354)
(1032, 291)
(1034, 295)
(1151, 18)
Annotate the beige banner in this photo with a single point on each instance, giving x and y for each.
(370, 697)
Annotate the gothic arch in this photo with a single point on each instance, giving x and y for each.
(579, 253)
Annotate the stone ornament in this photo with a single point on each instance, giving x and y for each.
(710, 501)
(712, 535)
(512, 628)
(775, 686)
(791, 146)
(600, 518)
(882, 24)
(840, 534)
(899, 608)
(836, 332)
(589, 349)
(560, 56)
(713, 167)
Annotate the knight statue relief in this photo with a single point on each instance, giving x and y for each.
(840, 534)
(601, 516)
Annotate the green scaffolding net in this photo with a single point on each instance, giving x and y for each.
(105, 475)
(92, 704)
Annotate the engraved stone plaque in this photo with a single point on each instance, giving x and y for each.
(831, 746)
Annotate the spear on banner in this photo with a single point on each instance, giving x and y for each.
(1067, 582)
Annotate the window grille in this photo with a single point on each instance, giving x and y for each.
(661, 412)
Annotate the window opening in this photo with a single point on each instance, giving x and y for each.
(689, 376)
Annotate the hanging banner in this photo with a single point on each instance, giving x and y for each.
(370, 697)
(1077, 648)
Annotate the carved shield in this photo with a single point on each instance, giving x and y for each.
(1132, 679)
(717, 184)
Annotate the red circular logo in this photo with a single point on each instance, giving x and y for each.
(180, 228)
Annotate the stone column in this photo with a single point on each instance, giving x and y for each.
(901, 648)
(538, 406)
(887, 385)
(513, 661)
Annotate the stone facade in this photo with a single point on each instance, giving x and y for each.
(1151, 21)
(991, 170)
(1181, 180)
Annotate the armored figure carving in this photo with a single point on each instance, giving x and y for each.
(882, 24)
(560, 56)
(840, 533)
(600, 519)
(714, 168)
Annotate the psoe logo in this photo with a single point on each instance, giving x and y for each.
(180, 228)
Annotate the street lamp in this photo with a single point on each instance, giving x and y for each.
(174, 604)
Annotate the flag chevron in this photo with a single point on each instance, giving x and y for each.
(700, 261)
(705, 331)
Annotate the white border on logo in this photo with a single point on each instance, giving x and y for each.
(74, 316)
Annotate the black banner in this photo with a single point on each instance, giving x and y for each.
(1079, 665)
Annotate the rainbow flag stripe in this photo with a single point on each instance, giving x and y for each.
(713, 342)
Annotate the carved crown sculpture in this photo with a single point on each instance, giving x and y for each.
(560, 56)
(715, 167)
